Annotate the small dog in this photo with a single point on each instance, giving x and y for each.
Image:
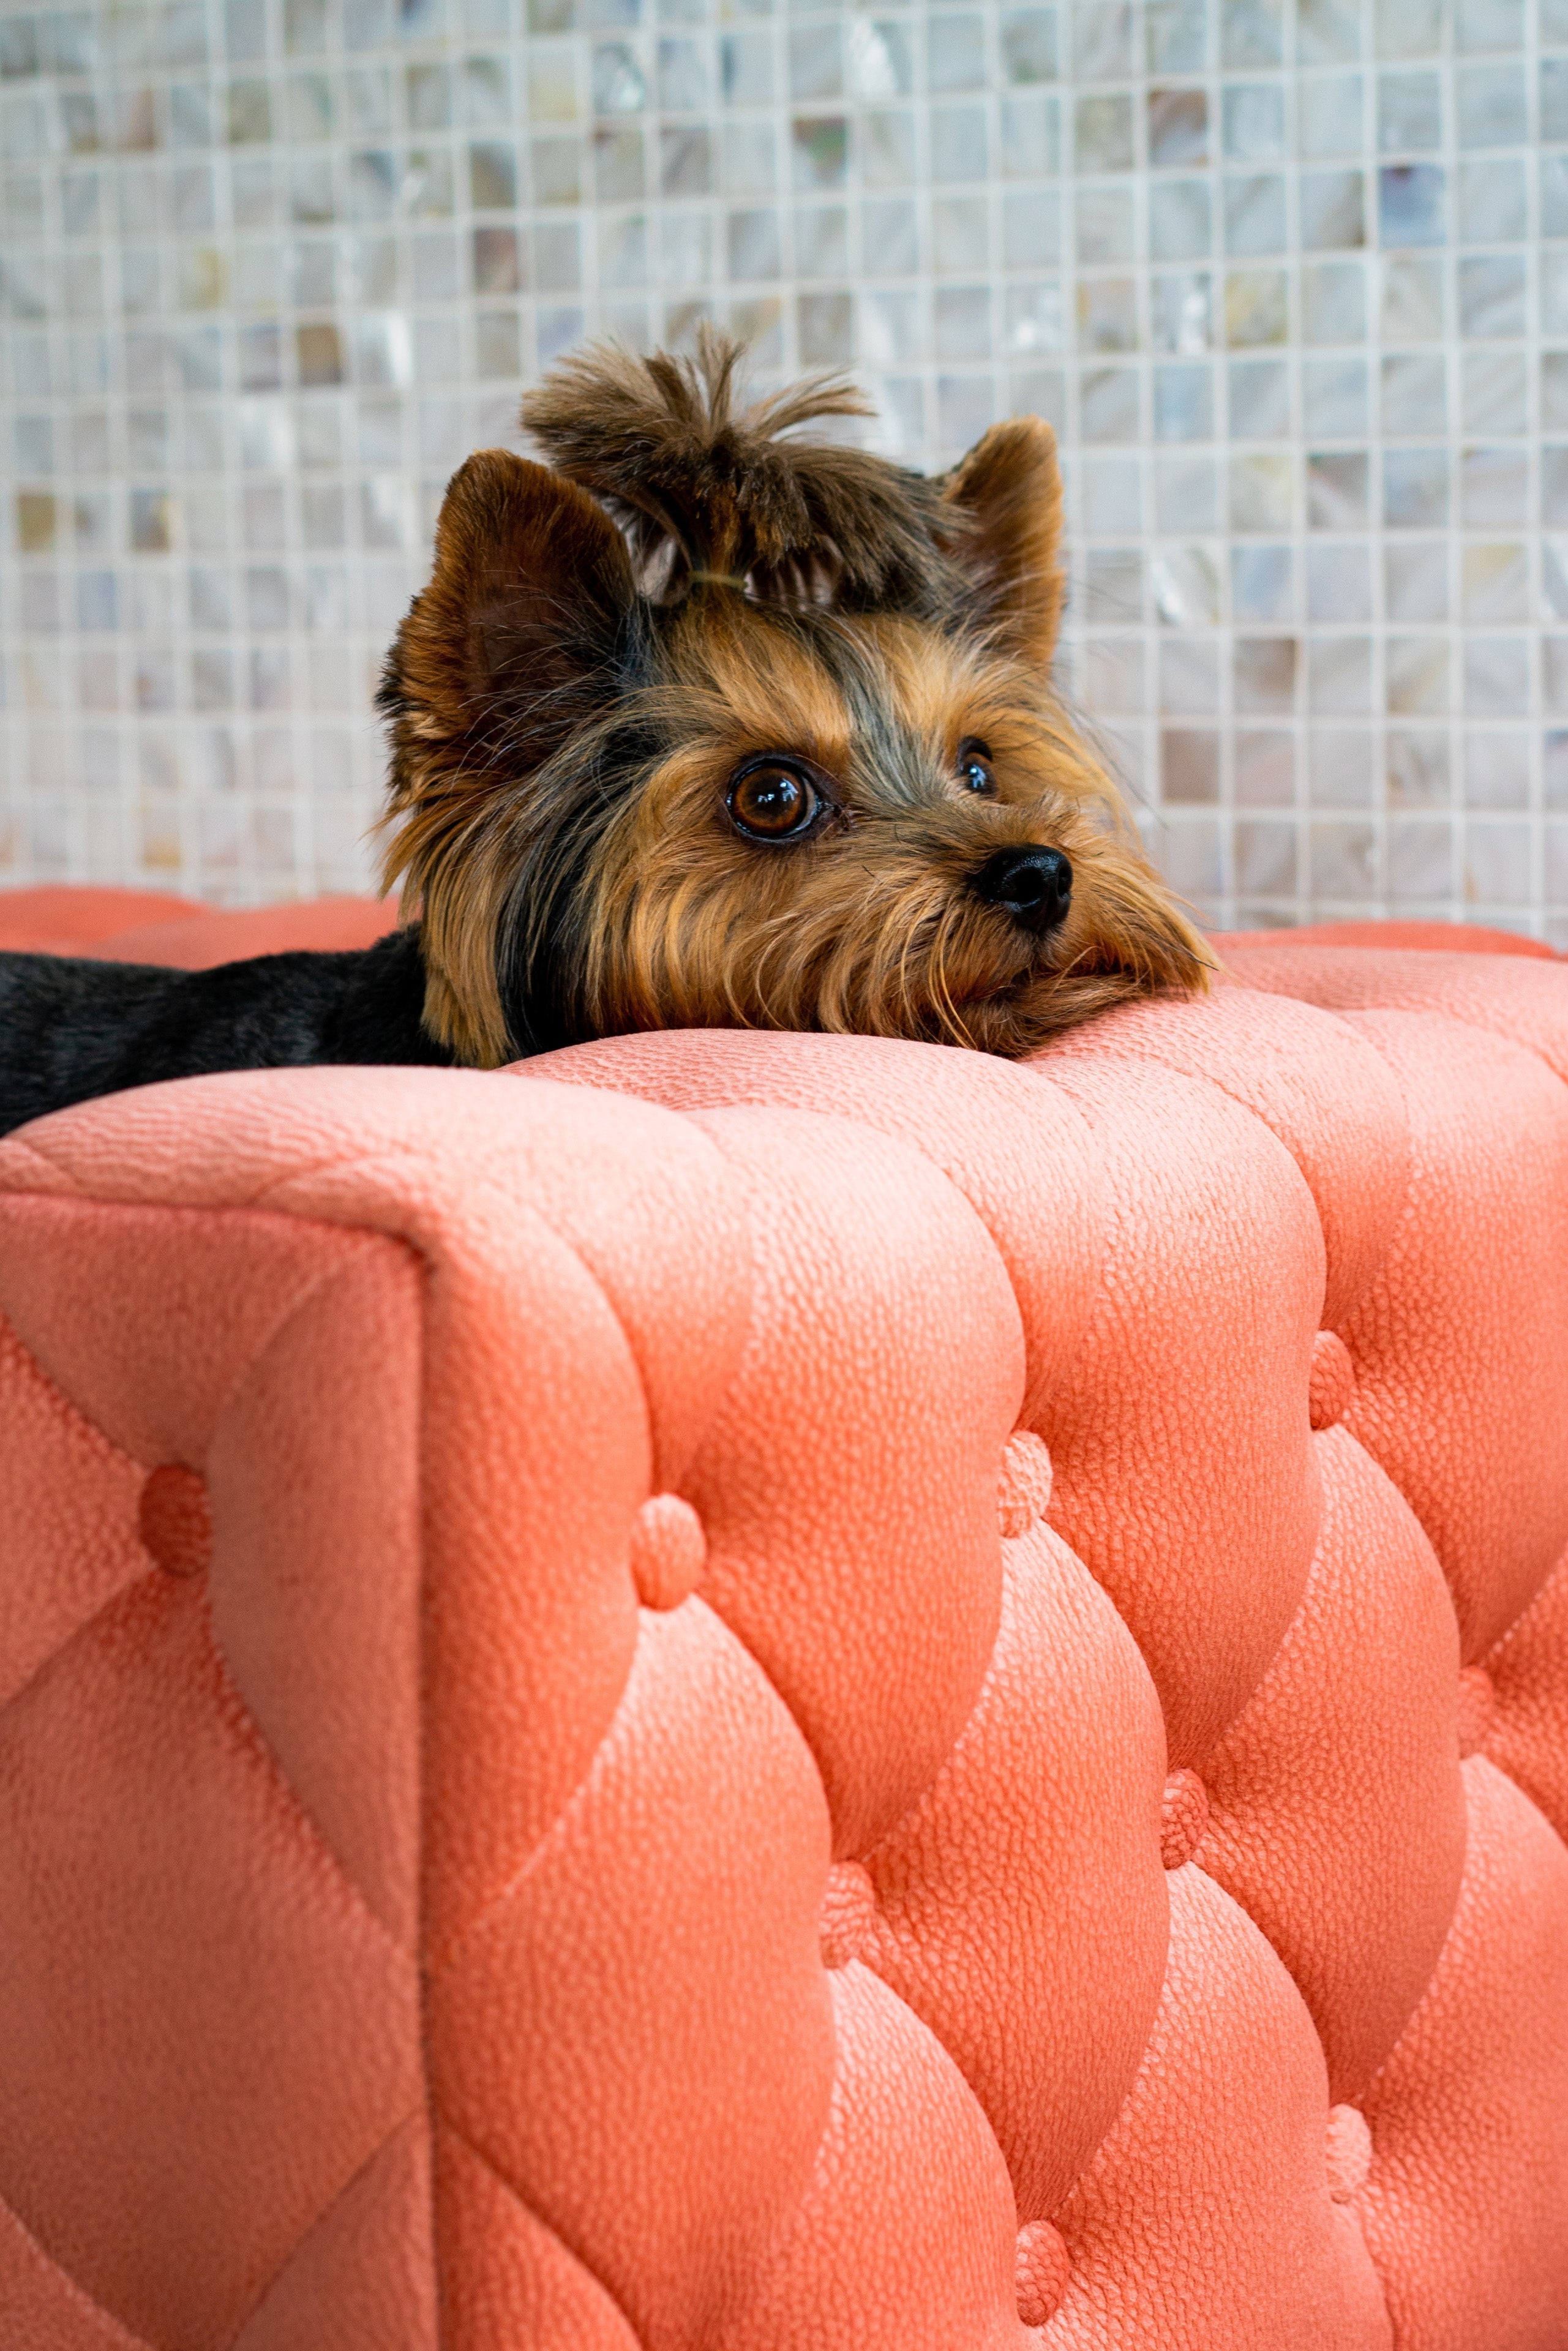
(703, 724)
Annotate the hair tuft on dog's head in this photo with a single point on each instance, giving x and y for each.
(710, 492)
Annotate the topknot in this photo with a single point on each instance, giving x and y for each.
(709, 492)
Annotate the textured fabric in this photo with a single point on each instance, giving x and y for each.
(739, 1692)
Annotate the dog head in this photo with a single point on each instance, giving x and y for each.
(701, 726)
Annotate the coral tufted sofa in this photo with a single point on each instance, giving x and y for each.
(790, 1694)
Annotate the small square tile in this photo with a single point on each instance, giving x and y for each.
(1265, 767)
(1329, 115)
(1338, 584)
(1189, 767)
(1177, 129)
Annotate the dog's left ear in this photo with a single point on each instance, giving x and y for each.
(1009, 492)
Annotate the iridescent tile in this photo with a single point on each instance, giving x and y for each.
(1108, 405)
(746, 71)
(1333, 302)
(958, 142)
(1327, 31)
(1186, 494)
(1254, 116)
(820, 146)
(881, 59)
(1553, 92)
(1495, 392)
(685, 248)
(1179, 223)
(249, 116)
(817, 62)
(749, 159)
(1334, 398)
(1266, 858)
(1255, 214)
(1103, 132)
(1108, 314)
(1412, 304)
(1492, 293)
(1189, 767)
(1106, 224)
(1251, 32)
(1189, 676)
(1418, 768)
(1184, 584)
(1417, 675)
(887, 149)
(1027, 39)
(1031, 138)
(1491, 106)
(1258, 400)
(619, 85)
(1113, 586)
(1409, 113)
(1494, 485)
(1496, 771)
(1415, 488)
(822, 241)
(1555, 788)
(1338, 585)
(752, 244)
(1333, 214)
(1488, 25)
(1179, 128)
(1553, 180)
(891, 240)
(1420, 860)
(1265, 767)
(1180, 313)
(682, 75)
(1554, 390)
(1497, 677)
(1263, 493)
(685, 160)
(1416, 581)
(1035, 318)
(1339, 677)
(1030, 229)
(1415, 396)
(1554, 578)
(1493, 207)
(1262, 584)
(1175, 34)
(825, 329)
(1113, 673)
(1412, 203)
(1103, 47)
(956, 52)
(1328, 115)
(1496, 583)
(960, 236)
(1255, 307)
(1184, 404)
(1343, 862)
(1498, 862)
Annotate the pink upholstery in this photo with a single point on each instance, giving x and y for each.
(756, 1693)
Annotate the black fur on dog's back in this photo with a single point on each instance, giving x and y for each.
(71, 1029)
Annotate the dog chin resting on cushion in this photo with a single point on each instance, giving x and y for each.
(703, 724)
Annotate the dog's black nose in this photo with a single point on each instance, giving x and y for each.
(1033, 885)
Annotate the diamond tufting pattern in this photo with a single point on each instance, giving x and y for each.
(734, 1693)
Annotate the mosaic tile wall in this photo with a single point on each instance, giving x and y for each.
(1289, 284)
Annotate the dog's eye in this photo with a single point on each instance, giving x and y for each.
(974, 767)
(772, 802)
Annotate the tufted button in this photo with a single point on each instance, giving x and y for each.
(669, 1552)
(848, 1915)
(175, 1519)
(1041, 2273)
(1477, 1706)
(1023, 1490)
(1332, 1380)
(1348, 2148)
(1184, 1818)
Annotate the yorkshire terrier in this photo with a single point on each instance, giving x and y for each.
(703, 724)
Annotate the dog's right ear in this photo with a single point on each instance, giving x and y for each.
(511, 648)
